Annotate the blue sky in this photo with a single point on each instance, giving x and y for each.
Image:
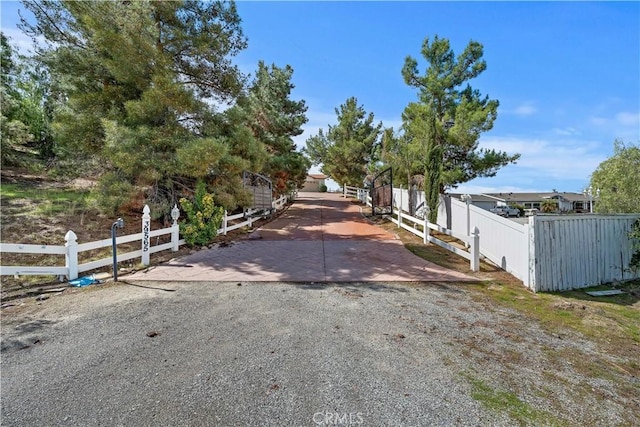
(567, 74)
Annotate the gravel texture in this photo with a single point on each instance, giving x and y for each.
(271, 354)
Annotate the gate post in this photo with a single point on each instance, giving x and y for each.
(175, 228)
(146, 227)
(399, 207)
(425, 237)
(224, 223)
(475, 250)
(71, 257)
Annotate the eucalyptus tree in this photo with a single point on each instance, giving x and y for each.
(447, 120)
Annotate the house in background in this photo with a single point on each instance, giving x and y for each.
(567, 202)
(314, 182)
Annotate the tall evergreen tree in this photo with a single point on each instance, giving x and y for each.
(449, 118)
(137, 76)
(349, 150)
(14, 133)
(26, 109)
(274, 119)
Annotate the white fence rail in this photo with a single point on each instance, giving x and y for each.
(421, 226)
(72, 248)
(549, 253)
(470, 241)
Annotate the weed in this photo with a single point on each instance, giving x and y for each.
(509, 403)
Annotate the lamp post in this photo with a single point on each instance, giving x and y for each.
(589, 193)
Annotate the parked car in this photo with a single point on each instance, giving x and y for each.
(506, 211)
(531, 212)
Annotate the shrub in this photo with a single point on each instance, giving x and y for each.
(634, 235)
(203, 217)
(520, 208)
(549, 206)
(323, 188)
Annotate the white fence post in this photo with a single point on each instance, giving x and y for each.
(344, 190)
(224, 223)
(425, 237)
(475, 250)
(175, 228)
(400, 208)
(146, 229)
(71, 257)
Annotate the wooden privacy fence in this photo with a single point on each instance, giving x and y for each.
(71, 249)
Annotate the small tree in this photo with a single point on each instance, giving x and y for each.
(549, 206)
(203, 217)
(349, 149)
(618, 179)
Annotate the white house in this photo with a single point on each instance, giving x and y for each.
(566, 201)
(314, 182)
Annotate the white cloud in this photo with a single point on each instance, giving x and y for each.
(623, 124)
(567, 131)
(628, 119)
(560, 159)
(526, 109)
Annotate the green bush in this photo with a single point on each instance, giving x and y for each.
(203, 217)
(634, 235)
(323, 188)
(519, 207)
(549, 206)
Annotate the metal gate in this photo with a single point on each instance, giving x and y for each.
(261, 189)
(382, 193)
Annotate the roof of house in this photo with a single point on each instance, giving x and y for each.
(536, 197)
(524, 197)
(474, 197)
(318, 176)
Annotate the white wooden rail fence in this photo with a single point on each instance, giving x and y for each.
(72, 248)
(548, 253)
(421, 227)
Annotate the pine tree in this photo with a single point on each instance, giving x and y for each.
(140, 80)
(349, 150)
(449, 118)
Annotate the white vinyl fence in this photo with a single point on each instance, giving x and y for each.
(72, 248)
(548, 253)
(577, 251)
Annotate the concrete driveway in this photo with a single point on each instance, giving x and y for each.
(322, 237)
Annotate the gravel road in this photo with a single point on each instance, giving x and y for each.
(263, 354)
